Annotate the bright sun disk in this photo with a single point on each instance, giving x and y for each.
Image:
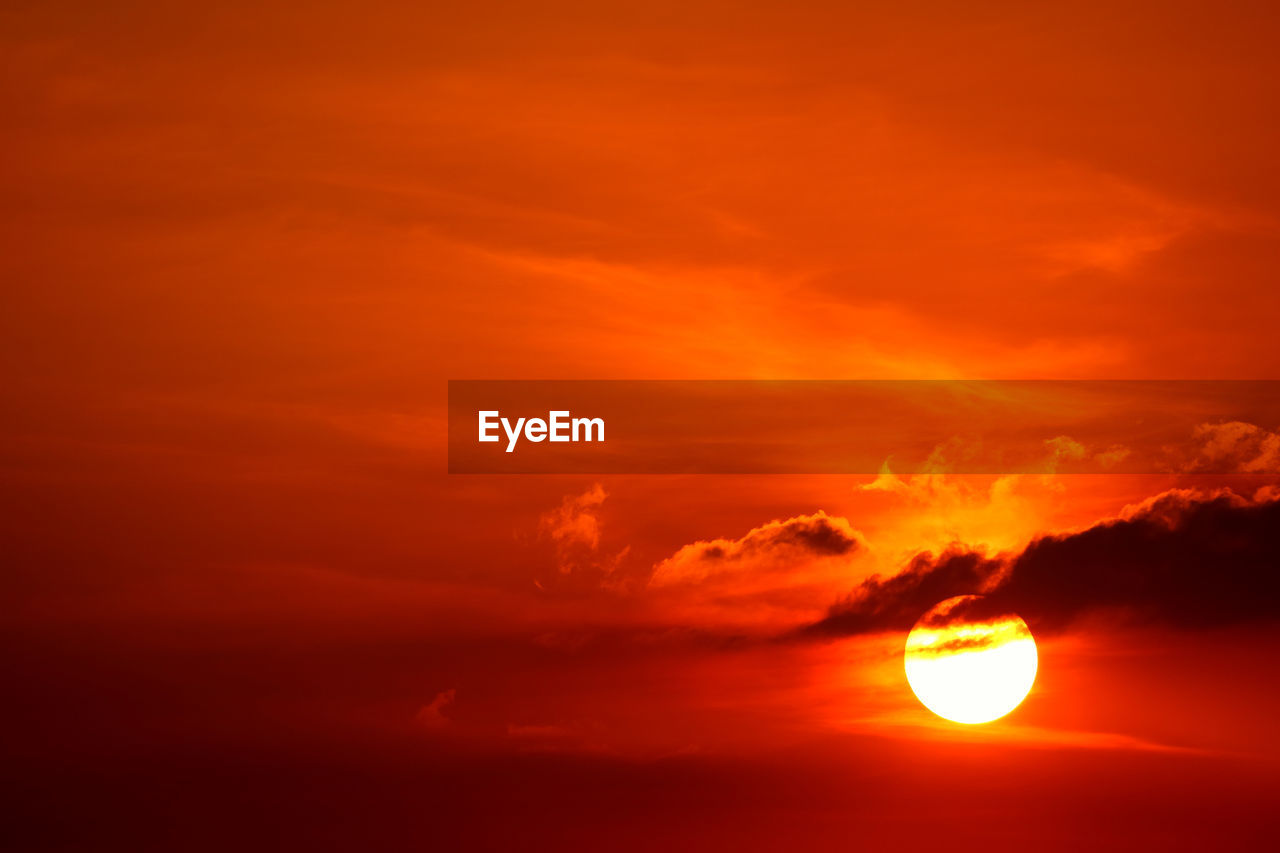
(968, 666)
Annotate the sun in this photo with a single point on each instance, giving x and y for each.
(970, 662)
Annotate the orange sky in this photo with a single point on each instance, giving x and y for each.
(244, 248)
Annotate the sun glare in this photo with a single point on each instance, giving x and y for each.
(967, 665)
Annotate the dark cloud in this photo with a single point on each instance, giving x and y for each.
(969, 609)
(960, 644)
(1185, 559)
(893, 604)
(776, 546)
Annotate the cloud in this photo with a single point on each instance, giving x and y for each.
(895, 603)
(1237, 447)
(1183, 558)
(918, 725)
(1064, 448)
(574, 522)
(968, 610)
(1002, 514)
(574, 528)
(432, 715)
(999, 513)
(776, 547)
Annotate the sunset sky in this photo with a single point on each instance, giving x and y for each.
(246, 246)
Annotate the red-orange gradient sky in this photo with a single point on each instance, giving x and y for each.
(245, 245)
